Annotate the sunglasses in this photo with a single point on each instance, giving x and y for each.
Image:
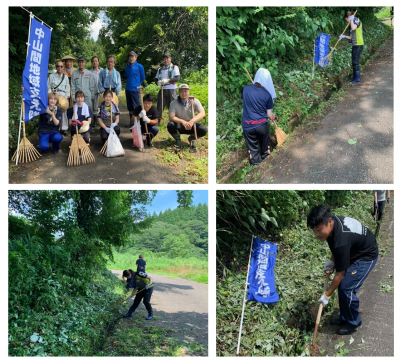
(59, 66)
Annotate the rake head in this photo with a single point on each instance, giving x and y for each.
(79, 145)
(103, 150)
(27, 152)
(312, 348)
(146, 136)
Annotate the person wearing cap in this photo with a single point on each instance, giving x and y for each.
(83, 80)
(95, 71)
(84, 114)
(142, 291)
(183, 121)
(147, 115)
(68, 70)
(257, 108)
(58, 83)
(110, 77)
(135, 76)
(166, 77)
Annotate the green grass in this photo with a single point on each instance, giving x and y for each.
(384, 13)
(193, 269)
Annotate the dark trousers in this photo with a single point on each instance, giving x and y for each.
(45, 139)
(104, 134)
(168, 95)
(85, 135)
(132, 100)
(355, 57)
(175, 128)
(348, 288)
(253, 137)
(381, 206)
(146, 296)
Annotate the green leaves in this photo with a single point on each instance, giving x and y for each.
(352, 141)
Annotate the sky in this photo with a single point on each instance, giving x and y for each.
(96, 26)
(168, 199)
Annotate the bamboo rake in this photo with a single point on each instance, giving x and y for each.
(146, 134)
(27, 152)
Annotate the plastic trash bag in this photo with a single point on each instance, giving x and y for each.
(137, 135)
(114, 147)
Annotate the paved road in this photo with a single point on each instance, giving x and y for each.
(324, 155)
(376, 307)
(134, 167)
(181, 305)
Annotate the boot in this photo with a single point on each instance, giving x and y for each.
(356, 77)
(177, 138)
(128, 314)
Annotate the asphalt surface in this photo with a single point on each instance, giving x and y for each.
(179, 305)
(325, 156)
(375, 337)
(135, 167)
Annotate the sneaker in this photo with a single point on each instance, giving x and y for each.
(337, 321)
(346, 329)
(128, 314)
(149, 317)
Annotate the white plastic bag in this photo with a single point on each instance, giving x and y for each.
(114, 147)
(137, 135)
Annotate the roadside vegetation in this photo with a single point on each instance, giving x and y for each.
(286, 34)
(284, 328)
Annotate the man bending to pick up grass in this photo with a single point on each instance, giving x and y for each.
(354, 255)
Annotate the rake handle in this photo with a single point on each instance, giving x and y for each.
(343, 33)
(194, 125)
(248, 74)
(319, 312)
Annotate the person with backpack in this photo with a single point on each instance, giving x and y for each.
(166, 77)
(143, 291)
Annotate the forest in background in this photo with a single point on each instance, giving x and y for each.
(278, 216)
(176, 245)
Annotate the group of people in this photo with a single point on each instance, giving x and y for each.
(258, 98)
(142, 285)
(80, 91)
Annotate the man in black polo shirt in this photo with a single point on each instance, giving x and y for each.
(354, 255)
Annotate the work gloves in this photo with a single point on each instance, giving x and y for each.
(329, 267)
(73, 123)
(146, 119)
(163, 82)
(388, 200)
(113, 125)
(148, 286)
(142, 113)
(351, 17)
(341, 37)
(108, 130)
(324, 299)
(376, 205)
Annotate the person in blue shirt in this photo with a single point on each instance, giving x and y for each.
(257, 106)
(109, 76)
(135, 76)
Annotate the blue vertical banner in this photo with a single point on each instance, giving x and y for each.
(34, 76)
(261, 274)
(322, 49)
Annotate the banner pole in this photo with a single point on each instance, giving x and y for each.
(22, 115)
(313, 63)
(244, 297)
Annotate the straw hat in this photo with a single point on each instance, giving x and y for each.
(85, 127)
(68, 57)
